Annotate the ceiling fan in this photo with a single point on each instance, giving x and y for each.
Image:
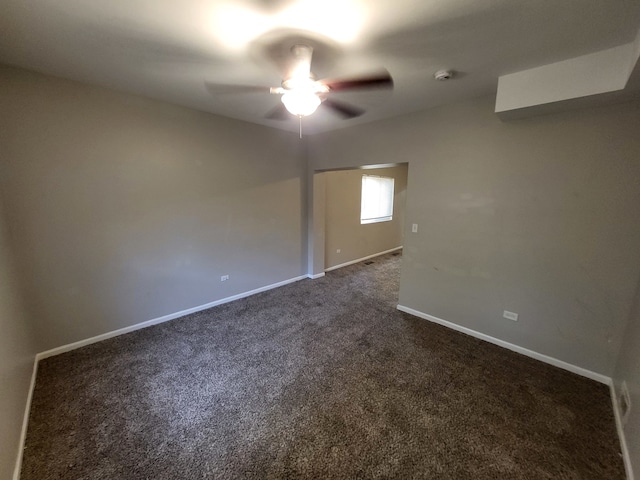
(301, 94)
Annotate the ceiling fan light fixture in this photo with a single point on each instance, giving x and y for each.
(301, 103)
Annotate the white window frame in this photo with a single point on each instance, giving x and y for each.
(376, 204)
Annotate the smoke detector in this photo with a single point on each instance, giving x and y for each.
(443, 75)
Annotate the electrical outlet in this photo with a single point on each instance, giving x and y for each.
(624, 403)
(224, 278)
(338, 251)
(510, 315)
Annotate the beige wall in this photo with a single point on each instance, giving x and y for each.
(343, 230)
(17, 353)
(125, 209)
(628, 370)
(537, 216)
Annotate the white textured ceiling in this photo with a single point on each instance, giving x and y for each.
(167, 49)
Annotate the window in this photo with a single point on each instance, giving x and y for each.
(377, 199)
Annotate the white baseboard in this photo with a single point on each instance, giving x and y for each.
(115, 333)
(598, 377)
(546, 359)
(25, 421)
(623, 439)
(155, 321)
(317, 275)
(335, 267)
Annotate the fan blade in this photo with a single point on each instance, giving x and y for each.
(279, 112)
(222, 88)
(381, 80)
(343, 109)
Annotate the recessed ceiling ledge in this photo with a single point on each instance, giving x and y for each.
(574, 83)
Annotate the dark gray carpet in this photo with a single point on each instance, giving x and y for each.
(315, 380)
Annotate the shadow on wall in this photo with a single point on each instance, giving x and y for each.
(127, 209)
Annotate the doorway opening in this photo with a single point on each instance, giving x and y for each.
(338, 236)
